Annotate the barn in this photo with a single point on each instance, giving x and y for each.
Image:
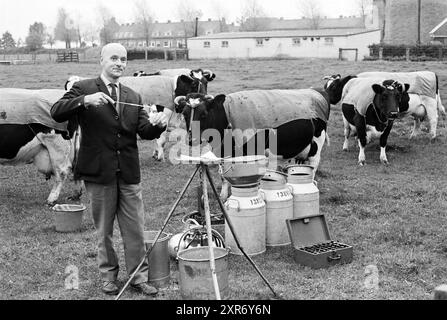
(319, 43)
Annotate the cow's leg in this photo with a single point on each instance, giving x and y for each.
(439, 105)
(383, 142)
(159, 154)
(314, 161)
(416, 127)
(432, 115)
(362, 138)
(347, 132)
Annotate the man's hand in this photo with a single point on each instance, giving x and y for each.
(158, 119)
(97, 99)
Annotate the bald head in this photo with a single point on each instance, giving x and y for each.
(113, 61)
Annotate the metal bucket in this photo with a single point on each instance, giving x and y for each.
(68, 217)
(159, 269)
(279, 207)
(246, 211)
(196, 281)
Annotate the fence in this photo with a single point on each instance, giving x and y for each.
(408, 53)
(166, 54)
(67, 56)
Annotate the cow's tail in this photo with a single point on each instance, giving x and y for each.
(440, 107)
(328, 141)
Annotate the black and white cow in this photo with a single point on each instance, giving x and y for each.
(28, 136)
(300, 137)
(158, 93)
(369, 108)
(425, 99)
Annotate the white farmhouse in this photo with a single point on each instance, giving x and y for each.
(349, 44)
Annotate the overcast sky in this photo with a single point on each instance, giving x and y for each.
(17, 15)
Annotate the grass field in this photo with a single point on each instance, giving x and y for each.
(394, 216)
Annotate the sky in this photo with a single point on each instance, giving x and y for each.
(17, 15)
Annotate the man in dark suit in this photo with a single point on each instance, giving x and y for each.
(108, 162)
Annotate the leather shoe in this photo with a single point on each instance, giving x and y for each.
(145, 288)
(110, 287)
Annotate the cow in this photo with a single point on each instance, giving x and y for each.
(425, 98)
(28, 135)
(159, 91)
(369, 107)
(294, 119)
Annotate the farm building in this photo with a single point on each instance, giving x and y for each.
(398, 19)
(320, 43)
(439, 33)
(166, 34)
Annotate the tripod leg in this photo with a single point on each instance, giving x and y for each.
(209, 232)
(148, 251)
(234, 233)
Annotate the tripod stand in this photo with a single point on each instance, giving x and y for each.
(205, 175)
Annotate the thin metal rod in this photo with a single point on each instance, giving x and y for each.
(149, 250)
(230, 225)
(208, 231)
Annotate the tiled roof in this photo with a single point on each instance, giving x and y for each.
(287, 33)
(324, 23)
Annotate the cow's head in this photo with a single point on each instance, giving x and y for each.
(195, 82)
(388, 97)
(402, 89)
(71, 81)
(334, 86)
(203, 110)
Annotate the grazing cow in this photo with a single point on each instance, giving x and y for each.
(28, 134)
(369, 107)
(425, 98)
(297, 117)
(161, 90)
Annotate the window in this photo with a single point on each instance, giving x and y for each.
(296, 41)
(329, 41)
(206, 44)
(224, 44)
(158, 44)
(180, 33)
(152, 43)
(179, 44)
(165, 44)
(259, 42)
(168, 33)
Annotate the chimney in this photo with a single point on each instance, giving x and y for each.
(340, 17)
(209, 19)
(169, 21)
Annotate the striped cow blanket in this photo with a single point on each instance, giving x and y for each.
(24, 106)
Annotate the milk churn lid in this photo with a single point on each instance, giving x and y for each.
(273, 175)
(307, 231)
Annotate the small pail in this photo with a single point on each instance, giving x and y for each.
(68, 217)
(196, 282)
(159, 270)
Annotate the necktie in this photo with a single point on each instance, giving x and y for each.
(113, 95)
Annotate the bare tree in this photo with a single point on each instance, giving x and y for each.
(252, 16)
(188, 14)
(144, 19)
(310, 9)
(364, 7)
(108, 24)
(64, 29)
(221, 13)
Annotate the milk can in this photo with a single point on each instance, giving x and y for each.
(246, 211)
(279, 207)
(306, 196)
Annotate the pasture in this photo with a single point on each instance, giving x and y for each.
(394, 216)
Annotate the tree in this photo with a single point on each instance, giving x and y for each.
(310, 9)
(108, 24)
(50, 40)
(64, 30)
(187, 13)
(364, 7)
(144, 19)
(7, 41)
(252, 17)
(221, 13)
(36, 36)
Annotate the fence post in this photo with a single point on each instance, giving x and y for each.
(407, 54)
(175, 54)
(145, 53)
(440, 53)
(356, 54)
(166, 54)
(380, 53)
(339, 53)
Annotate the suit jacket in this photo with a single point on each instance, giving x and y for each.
(108, 139)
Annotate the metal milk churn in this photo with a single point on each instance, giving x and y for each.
(246, 211)
(306, 196)
(279, 207)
